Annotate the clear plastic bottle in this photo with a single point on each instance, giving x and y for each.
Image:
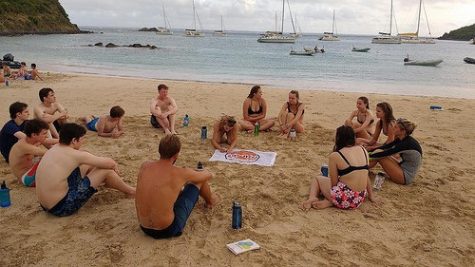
(379, 180)
(293, 134)
(186, 120)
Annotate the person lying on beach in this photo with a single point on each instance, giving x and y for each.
(163, 109)
(26, 153)
(35, 74)
(364, 125)
(12, 131)
(107, 125)
(225, 132)
(166, 194)
(67, 177)
(406, 147)
(51, 111)
(386, 123)
(20, 74)
(254, 111)
(291, 114)
(348, 184)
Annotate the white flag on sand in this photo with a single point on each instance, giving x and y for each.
(242, 156)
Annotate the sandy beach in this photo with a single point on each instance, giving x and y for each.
(428, 223)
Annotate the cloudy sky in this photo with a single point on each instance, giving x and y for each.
(352, 16)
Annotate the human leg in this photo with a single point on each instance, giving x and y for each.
(246, 125)
(158, 122)
(392, 169)
(111, 179)
(209, 197)
(299, 127)
(319, 185)
(171, 122)
(265, 124)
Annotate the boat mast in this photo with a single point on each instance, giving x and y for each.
(164, 16)
(221, 23)
(283, 7)
(419, 19)
(194, 15)
(391, 19)
(333, 24)
(291, 17)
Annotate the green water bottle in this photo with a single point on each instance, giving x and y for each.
(256, 128)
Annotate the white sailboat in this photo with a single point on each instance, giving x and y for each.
(413, 38)
(194, 32)
(330, 36)
(166, 29)
(277, 37)
(387, 38)
(220, 33)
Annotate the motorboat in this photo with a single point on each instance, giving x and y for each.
(301, 53)
(364, 49)
(469, 60)
(427, 63)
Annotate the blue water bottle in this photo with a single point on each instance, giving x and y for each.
(4, 196)
(186, 120)
(204, 134)
(237, 216)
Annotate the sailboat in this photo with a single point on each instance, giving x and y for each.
(413, 38)
(166, 29)
(277, 37)
(387, 38)
(330, 36)
(193, 32)
(220, 33)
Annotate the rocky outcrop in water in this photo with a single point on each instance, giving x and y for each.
(34, 17)
(112, 45)
(462, 34)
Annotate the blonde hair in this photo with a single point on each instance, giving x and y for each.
(406, 125)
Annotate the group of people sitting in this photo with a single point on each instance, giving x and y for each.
(21, 74)
(46, 152)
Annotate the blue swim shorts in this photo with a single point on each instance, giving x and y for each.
(79, 192)
(183, 206)
(91, 126)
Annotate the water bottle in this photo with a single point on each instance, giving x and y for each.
(256, 128)
(7, 83)
(379, 180)
(199, 166)
(324, 169)
(293, 134)
(204, 134)
(4, 196)
(186, 120)
(237, 216)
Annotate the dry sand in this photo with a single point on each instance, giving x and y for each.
(428, 223)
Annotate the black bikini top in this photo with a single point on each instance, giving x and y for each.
(352, 168)
(290, 111)
(252, 112)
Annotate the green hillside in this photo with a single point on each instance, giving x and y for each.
(462, 34)
(34, 17)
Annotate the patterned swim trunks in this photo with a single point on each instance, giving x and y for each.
(343, 197)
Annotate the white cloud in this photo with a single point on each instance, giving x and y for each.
(353, 16)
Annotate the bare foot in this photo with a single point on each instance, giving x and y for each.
(249, 131)
(321, 204)
(307, 204)
(167, 132)
(131, 192)
(215, 199)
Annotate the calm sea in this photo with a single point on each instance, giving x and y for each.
(240, 58)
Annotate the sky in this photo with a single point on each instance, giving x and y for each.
(313, 16)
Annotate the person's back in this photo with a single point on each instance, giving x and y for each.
(157, 190)
(349, 159)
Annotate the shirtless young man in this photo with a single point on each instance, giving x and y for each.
(25, 154)
(50, 111)
(35, 74)
(163, 109)
(225, 132)
(107, 125)
(67, 177)
(167, 194)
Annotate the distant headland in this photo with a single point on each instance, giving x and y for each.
(462, 34)
(34, 17)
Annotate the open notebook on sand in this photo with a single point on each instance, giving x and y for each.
(242, 246)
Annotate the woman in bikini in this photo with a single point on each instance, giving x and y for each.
(409, 150)
(364, 125)
(225, 132)
(386, 123)
(254, 111)
(291, 114)
(348, 184)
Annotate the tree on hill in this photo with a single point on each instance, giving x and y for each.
(462, 34)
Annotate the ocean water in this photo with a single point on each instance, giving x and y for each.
(239, 58)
